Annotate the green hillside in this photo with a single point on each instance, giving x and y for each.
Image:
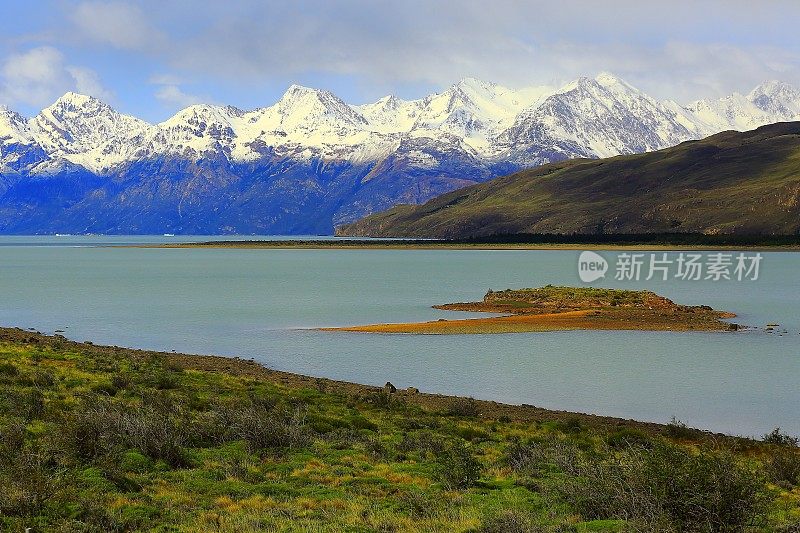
(730, 183)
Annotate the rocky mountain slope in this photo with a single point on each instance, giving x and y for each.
(311, 161)
(729, 183)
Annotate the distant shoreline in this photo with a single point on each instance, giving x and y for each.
(524, 241)
(452, 245)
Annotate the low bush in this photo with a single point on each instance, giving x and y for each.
(783, 467)
(259, 425)
(422, 442)
(457, 468)
(157, 431)
(626, 438)
(29, 480)
(780, 439)
(12, 439)
(8, 369)
(466, 407)
(572, 424)
(539, 457)
(679, 430)
(705, 491)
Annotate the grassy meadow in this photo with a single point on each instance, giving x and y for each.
(109, 439)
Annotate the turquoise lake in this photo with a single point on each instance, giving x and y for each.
(260, 304)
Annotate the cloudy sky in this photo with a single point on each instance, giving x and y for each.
(151, 58)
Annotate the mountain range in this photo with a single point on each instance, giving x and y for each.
(731, 183)
(311, 162)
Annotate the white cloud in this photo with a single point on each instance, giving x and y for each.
(165, 79)
(119, 24)
(170, 94)
(667, 49)
(682, 49)
(88, 82)
(32, 77)
(38, 76)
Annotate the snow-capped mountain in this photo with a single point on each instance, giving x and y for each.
(87, 132)
(311, 161)
(599, 117)
(772, 101)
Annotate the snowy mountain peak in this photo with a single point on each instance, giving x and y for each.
(198, 127)
(13, 128)
(301, 103)
(299, 95)
(196, 113)
(297, 92)
(474, 84)
(74, 99)
(589, 117)
(613, 83)
(85, 131)
(607, 78)
(389, 102)
(771, 88)
(583, 83)
(776, 98)
(311, 161)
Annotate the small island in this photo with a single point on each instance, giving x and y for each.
(555, 308)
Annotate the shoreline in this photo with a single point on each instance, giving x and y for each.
(364, 245)
(429, 401)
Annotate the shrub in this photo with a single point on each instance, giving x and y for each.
(538, 457)
(12, 439)
(570, 425)
(626, 438)
(792, 527)
(106, 388)
(121, 381)
(457, 468)
(679, 430)
(166, 381)
(28, 403)
(29, 482)
(42, 378)
(156, 430)
(470, 433)
(466, 407)
(380, 399)
(419, 503)
(707, 491)
(8, 369)
(780, 439)
(422, 442)
(514, 521)
(783, 467)
(257, 424)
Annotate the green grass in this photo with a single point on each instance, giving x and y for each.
(555, 294)
(94, 441)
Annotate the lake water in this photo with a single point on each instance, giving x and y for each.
(259, 303)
